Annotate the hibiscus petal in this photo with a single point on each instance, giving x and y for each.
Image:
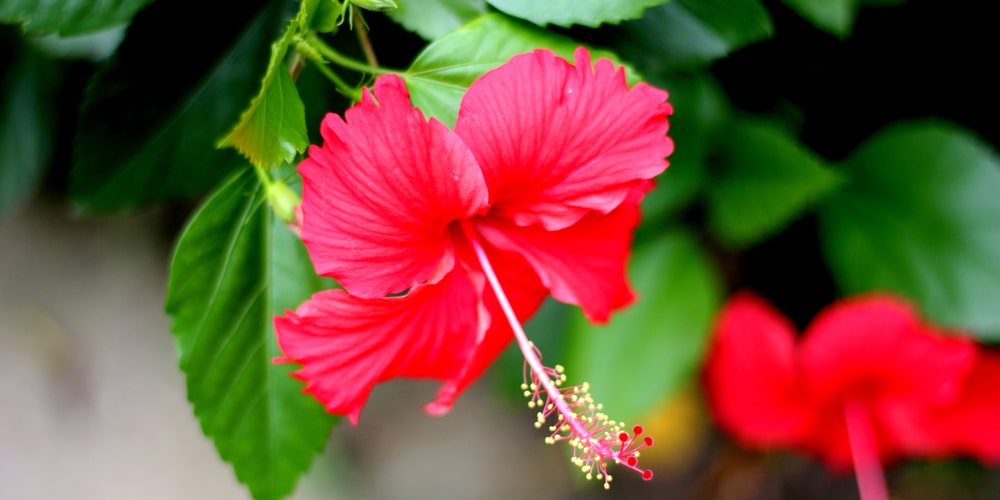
(557, 141)
(874, 350)
(750, 375)
(969, 425)
(583, 264)
(378, 196)
(525, 293)
(347, 344)
(875, 346)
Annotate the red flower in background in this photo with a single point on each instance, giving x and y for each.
(540, 181)
(867, 372)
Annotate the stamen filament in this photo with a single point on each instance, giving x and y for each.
(864, 452)
(592, 435)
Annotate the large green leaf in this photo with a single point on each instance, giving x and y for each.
(568, 12)
(763, 179)
(647, 352)
(272, 131)
(690, 33)
(151, 119)
(921, 218)
(834, 16)
(27, 122)
(234, 268)
(68, 17)
(434, 18)
(441, 74)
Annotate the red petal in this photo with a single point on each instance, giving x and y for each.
(751, 377)
(875, 350)
(969, 425)
(347, 344)
(583, 264)
(378, 197)
(557, 141)
(525, 293)
(876, 344)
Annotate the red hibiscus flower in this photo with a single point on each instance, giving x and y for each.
(868, 382)
(445, 240)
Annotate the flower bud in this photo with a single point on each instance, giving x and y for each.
(283, 200)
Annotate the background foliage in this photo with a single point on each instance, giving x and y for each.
(823, 148)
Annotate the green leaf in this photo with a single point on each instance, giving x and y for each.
(273, 129)
(648, 351)
(234, 268)
(151, 118)
(68, 17)
(833, 16)
(441, 74)
(27, 124)
(763, 180)
(922, 219)
(691, 33)
(434, 18)
(568, 12)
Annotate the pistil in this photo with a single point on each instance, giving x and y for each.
(595, 438)
(864, 452)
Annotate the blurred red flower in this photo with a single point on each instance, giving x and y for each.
(919, 390)
(543, 174)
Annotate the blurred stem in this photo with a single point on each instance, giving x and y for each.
(327, 51)
(864, 451)
(366, 43)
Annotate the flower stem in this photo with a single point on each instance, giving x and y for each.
(864, 451)
(327, 51)
(343, 87)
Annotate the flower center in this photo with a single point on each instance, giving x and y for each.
(594, 437)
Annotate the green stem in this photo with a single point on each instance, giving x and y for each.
(327, 51)
(343, 87)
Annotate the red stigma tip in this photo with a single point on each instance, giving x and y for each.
(623, 437)
(647, 474)
(632, 461)
(648, 441)
(637, 430)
